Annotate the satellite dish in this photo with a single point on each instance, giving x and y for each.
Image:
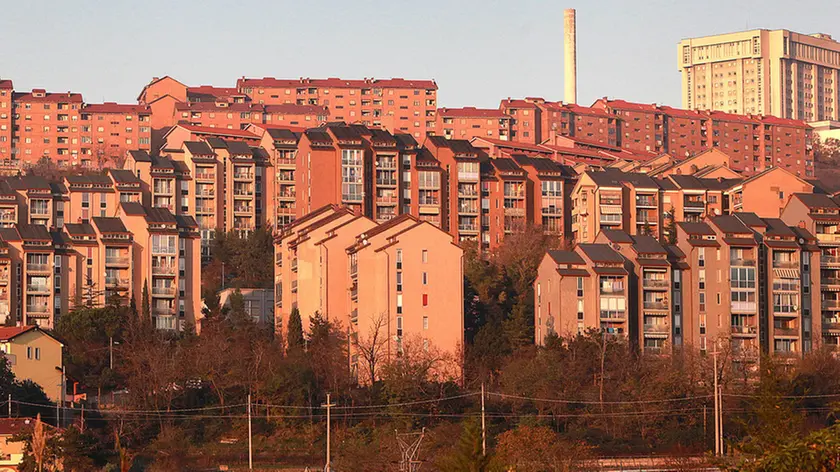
(801, 241)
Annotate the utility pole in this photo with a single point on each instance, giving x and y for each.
(720, 412)
(10, 405)
(111, 351)
(718, 444)
(250, 445)
(328, 405)
(483, 425)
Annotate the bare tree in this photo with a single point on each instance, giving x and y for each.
(39, 443)
(372, 347)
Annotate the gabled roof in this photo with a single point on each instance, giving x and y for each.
(33, 232)
(80, 229)
(406, 141)
(199, 148)
(777, 227)
(89, 179)
(121, 176)
(133, 208)
(115, 108)
(185, 221)
(698, 228)
(644, 244)
(730, 224)
(472, 112)
(566, 257)
(751, 219)
(282, 134)
(816, 200)
(600, 252)
(7, 333)
(238, 148)
(617, 236)
(140, 155)
(109, 224)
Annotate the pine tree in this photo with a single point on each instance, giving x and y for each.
(467, 456)
(295, 330)
(670, 228)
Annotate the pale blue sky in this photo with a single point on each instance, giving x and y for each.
(478, 51)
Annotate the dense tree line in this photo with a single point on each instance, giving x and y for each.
(552, 408)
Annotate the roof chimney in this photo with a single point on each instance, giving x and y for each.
(570, 55)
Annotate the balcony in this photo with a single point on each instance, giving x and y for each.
(116, 282)
(116, 261)
(163, 270)
(744, 330)
(43, 289)
(294, 264)
(611, 201)
(654, 284)
(163, 291)
(468, 227)
(552, 211)
(830, 304)
(515, 211)
(467, 192)
(830, 259)
(31, 267)
(785, 331)
(648, 202)
(468, 176)
(694, 204)
(386, 182)
(655, 305)
(206, 192)
(161, 311)
(785, 264)
(743, 306)
(607, 219)
(389, 200)
(242, 209)
(657, 329)
(354, 291)
(742, 262)
(612, 289)
(612, 315)
(426, 202)
(243, 176)
(294, 286)
(243, 192)
(39, 309)
(209, 210)
(205, 176)
(468, 209)
(828, 238)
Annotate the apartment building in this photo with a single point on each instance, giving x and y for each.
(819, 215)
(469, 122)
(461, 185)
(167, 260)
(504, 200)
(652, 290)
(421, 179)
(35, 266)
(6, 121)
(525, 120)
(397, 105)
(281, 190)
(47, 125)
(771, 72)
(581, 289)
(110, 129)
(88, 196)
(548, 186)
(34, 354)
(372, 278)
(641, 126)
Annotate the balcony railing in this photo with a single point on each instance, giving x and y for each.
(828, 237)
(786, 331)
(830, 304)
(163, 291)
(30, 267)
(158, 311)
(655, 305)
(785, 264)
(737, 329)
(38, 288)
(116, 282)
(611, 289)
(205, 175)
(694, 204)
(645, 202)
(429, 202)
(657, 328)
(467, 227)
(243, 192)
(468, 176)
(654, 283)
(742, 306)
(242, 209)
(742, 262)
(37, 309)
(206, 192)
(830, 281)
(243, 175)
(515, 211)
(388, 182)
(389, 200)
(612, 315)
(469, 209)
(830, 259)
(116, 260)
(163, 270)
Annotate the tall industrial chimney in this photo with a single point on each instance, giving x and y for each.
(570, 55)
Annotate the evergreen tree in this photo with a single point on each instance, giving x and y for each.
(467, 456)
(147, 308)
(670, 235)
(295, 330)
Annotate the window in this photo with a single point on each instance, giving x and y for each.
(37, 353)
(399, 281)
(702, 301)
(580, 286)
(425, 322)
(425, 279)
(399, 259)
(399, 303)
(425, 299)
(399, 326)
(425, 256)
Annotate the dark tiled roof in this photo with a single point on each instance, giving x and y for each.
(815, 200)
(132, 208)
(124, 176)
(109, 225)
(730, 224)
(406, 141)
(346, 133)
(34, 232)
(159, 215)
(617, 236)
(199, 148)
(186, 221)
(30, 182)
(644, 244)
(162, 162)
(281, 134)
(600, 253)
(687, 182)
(216, 143)
(238, 148)
(505, 165)
(566, 257)
(720, 184)
(777, 227)
(666, 184)
(9, 234)
(318, 135)
(89, 179)
(615, 178)
(140, 155)
(751, 219)
(696, 228)
(80, 229)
